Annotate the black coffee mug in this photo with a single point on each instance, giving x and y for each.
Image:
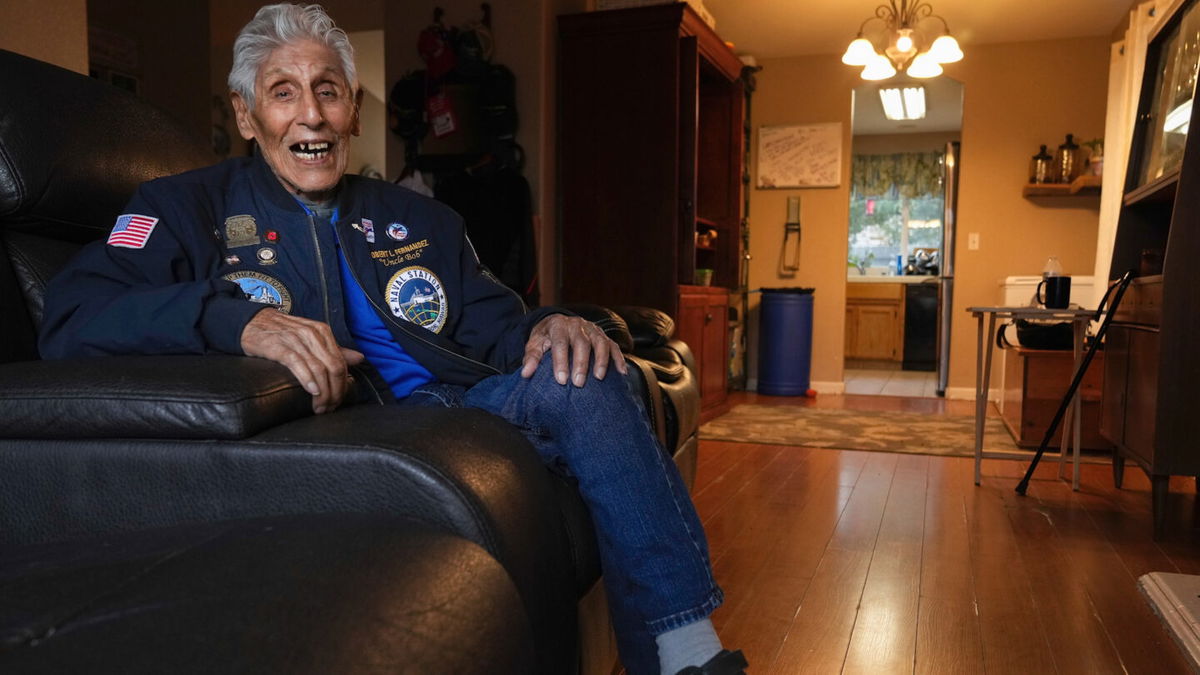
(1058, 292)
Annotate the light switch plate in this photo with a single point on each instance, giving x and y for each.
(973, 241)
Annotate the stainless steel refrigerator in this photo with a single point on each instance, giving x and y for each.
(946, 270)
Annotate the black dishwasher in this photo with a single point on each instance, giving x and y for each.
(920, 325)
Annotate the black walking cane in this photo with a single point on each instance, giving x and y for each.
(1119, 289)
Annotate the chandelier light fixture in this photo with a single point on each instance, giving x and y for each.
(906, 46)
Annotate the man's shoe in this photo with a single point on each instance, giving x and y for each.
(724, 663)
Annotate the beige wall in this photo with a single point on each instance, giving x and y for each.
(804, 90)
(884, 144)
(54, 31)
(370, 148)
(1016, 96)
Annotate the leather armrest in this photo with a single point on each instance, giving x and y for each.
(178, 397)
(649, 327)
(608, 321)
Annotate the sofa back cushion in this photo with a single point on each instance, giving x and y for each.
(72, 152)
(73, 149)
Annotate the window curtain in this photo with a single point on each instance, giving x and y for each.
(908, 174)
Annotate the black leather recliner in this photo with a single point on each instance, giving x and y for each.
(188, 513)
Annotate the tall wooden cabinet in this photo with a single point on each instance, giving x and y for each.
(650, 167)
(1152, 364)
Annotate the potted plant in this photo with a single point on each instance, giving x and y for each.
(1095, 156)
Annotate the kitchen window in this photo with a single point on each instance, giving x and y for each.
(896, 209)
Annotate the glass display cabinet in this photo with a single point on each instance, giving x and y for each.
(1152, 361)
(1165, 120)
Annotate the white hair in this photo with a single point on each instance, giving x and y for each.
(276, 25)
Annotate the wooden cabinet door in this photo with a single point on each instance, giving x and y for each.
(1116, 377)
(851, 331)
(702, 324)
(876, 332)
(714, 377)
(1142, 394)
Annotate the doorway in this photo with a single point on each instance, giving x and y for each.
(902, 207)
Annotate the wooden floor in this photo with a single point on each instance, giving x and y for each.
(855, 562)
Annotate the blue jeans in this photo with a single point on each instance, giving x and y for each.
(652, 546)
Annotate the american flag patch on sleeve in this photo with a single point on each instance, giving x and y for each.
(132, 231)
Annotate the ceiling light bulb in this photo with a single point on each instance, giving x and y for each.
(924, 66)
(904, 42)
(914, 103)
(859, 53)
(893, 103)
(880, 68)
(945, 49)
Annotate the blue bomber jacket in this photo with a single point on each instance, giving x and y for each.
(210, 248)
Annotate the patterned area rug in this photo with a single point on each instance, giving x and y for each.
(858, 430)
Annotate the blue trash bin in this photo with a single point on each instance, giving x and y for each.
(785, 341)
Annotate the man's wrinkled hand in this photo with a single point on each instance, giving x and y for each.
(308, 349)
(571, 341)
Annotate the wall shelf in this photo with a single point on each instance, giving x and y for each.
(1084, 185)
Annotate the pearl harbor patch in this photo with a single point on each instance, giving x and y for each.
(241, 231)
(415, 294)
(262, 288)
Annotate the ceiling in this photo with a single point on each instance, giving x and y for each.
(779, 28)
(943, 101)
(767, 29)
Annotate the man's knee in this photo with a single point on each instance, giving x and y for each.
(612, 385)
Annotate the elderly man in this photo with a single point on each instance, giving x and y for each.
(284, 257)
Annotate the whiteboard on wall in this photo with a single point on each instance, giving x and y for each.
(800, 156)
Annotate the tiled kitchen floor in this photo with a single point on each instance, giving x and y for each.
(891, 382)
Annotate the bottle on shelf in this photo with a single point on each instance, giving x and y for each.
(1041, 168)
(1066, 161)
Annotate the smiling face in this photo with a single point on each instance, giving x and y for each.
(304, 114)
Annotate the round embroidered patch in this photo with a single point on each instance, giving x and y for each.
(416, 295)
(262, 288)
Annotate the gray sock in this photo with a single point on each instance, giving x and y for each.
(690, 645)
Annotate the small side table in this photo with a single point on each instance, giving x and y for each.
(1079, 319)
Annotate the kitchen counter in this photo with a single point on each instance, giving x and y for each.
(882, 279)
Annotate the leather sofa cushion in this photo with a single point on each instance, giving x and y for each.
(177, 397)
(460, 471)
(311, 593)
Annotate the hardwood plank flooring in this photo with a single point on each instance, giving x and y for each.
(850, 562)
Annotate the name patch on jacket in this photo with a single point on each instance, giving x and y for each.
(132, 230)
(415, 294)
(391, 257)
(262, 288)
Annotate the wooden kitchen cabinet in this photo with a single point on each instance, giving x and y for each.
(875, 321)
